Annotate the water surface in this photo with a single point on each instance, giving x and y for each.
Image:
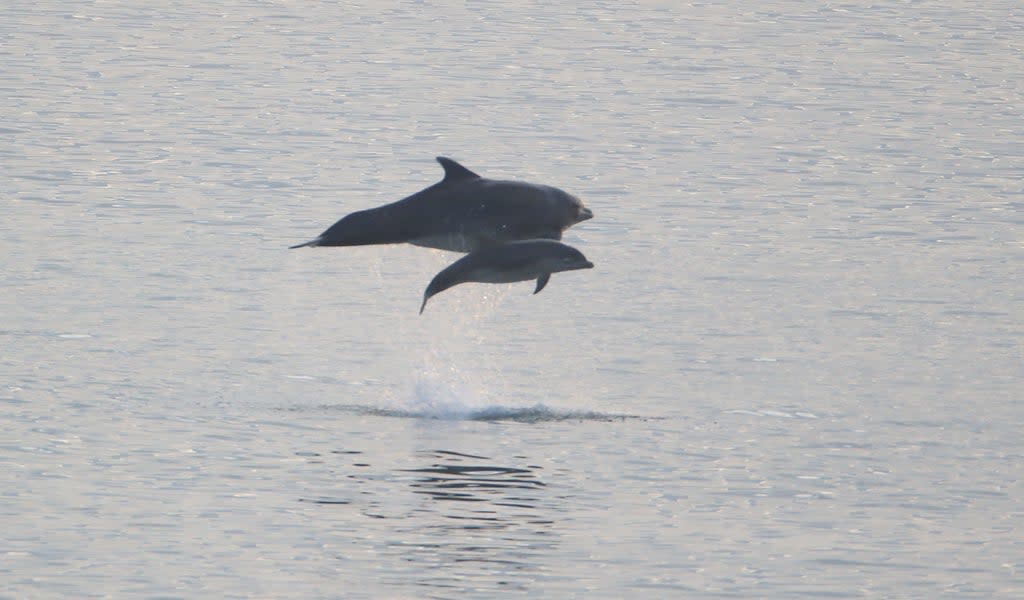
(794, 371)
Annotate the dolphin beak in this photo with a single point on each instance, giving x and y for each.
(585, 213)
(588, 265)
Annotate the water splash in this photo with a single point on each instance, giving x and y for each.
(449, 364)
(452, 399)
(443, 391)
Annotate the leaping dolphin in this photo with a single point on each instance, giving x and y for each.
(463, 212)
(508, 263)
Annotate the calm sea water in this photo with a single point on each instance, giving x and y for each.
(794, 373)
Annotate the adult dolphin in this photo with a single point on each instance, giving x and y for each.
(463, 212)
(508, 263)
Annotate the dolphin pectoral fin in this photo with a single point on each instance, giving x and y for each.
(541, 282)
(304, 244)
(424, 305)
(453, 171)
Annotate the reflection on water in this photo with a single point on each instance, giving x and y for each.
(468, 517)
(502, 486)
(478, 519)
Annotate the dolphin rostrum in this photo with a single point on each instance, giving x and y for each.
(507, 263)
(463, 212)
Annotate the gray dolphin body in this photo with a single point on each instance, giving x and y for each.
(508, 263)
(463, 212)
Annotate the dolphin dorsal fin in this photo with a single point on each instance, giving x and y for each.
(453, 171)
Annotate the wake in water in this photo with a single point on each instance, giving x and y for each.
(435, 399)
(537, 413)
(449, 393)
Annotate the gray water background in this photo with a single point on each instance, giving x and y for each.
(794, 373)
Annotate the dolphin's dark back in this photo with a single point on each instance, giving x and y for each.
(470, 214)
(463, 212)
(381, 225)
(515, 255)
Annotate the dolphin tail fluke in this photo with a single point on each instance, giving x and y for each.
(541, 282)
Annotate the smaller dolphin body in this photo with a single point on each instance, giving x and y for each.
(463, 212)
(508, 263)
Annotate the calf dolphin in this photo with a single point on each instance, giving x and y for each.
(507, 263)
(463, 212)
